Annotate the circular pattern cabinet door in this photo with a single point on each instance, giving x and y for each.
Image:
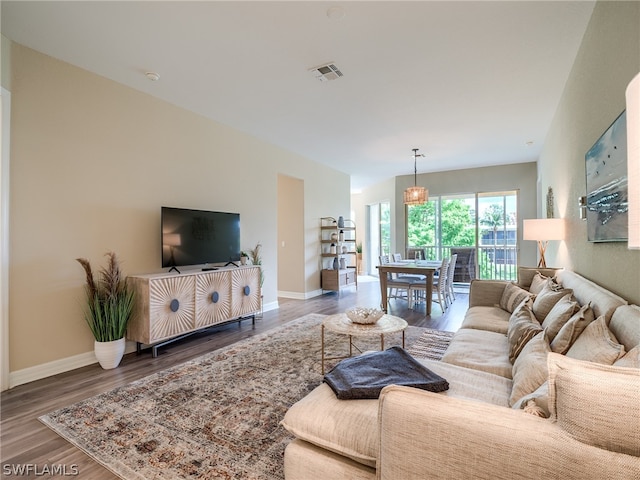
(245, 291)
(213, 298)
(171, 307)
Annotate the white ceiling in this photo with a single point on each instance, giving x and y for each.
(468, 83)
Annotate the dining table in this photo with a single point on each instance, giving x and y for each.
(428, 268)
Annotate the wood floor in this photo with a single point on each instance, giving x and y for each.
(25, 441)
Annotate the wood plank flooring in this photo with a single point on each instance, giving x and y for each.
(24, 440)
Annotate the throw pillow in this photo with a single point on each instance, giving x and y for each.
(572, 329)
(530, 368)
(550, 294)
(523, 326)
(596, 344)
(512, 296)
(536, 403)
(560, 314)
(631, 359)
(537, 283)
(596, 404)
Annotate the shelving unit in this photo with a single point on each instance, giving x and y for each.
(338, 256)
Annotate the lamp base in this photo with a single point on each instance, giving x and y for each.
(542, 248)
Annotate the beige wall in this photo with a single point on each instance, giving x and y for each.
(92, 161)
(608, 59)
(521, 177)
(5, 62)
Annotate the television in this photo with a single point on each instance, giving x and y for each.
(198, 237)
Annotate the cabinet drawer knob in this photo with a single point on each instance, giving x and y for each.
(247, 290)
(174, 305)
(215, 296)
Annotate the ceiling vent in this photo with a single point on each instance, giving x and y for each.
(326, 72)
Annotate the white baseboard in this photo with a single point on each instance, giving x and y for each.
(299, 295)
(38, 372)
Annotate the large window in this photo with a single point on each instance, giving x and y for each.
(481, 227)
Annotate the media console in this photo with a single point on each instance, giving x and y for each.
(170, 306)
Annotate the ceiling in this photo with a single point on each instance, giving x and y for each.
(468, 83)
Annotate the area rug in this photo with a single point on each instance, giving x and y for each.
(215, 417)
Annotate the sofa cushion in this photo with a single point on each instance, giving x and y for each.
(527, 274)
(596, 344)
(571, 330)
(530, 368)
(479, 350)
(493, 319)
(347, 427)
(560, 314)
(625, 325)
(603, 301)
(523, 326)
(596, 404)
(544, 302)
(512, 296)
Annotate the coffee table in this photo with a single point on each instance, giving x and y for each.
(342, 325)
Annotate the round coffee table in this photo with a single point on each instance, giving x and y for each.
(342, 325)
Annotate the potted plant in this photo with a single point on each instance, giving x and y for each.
(359, 257)
(108, 310)
(244, 257)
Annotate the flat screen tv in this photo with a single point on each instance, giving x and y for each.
(198, 237)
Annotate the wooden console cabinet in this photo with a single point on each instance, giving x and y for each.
(169, 306)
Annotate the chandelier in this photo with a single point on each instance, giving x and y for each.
(416, 195)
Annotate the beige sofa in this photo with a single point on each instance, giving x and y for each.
(548, 414)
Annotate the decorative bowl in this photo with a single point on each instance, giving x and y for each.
(364, 316)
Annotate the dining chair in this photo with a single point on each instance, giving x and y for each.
(397, 286)
(450, 294)
(439, 288)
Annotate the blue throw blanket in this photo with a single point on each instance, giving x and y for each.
(366, 375)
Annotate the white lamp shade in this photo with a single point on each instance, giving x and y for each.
(633, 160)
(543, 229)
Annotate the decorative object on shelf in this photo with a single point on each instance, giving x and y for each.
(364, 316)
(633, 161)
(550, 202)
(344, 249)
(332, 248)
(340, 221)
(335, 263)
(416, 195)
(244, 257)
(108, 311)
(607, 185)
(542, 230)
(334, 236)
(343, 263)
(341, 236)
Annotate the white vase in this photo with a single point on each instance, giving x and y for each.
(109, 354)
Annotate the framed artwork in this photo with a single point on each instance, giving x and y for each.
(606, 172)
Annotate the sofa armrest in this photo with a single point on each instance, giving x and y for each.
(486, 293)
(429, 435)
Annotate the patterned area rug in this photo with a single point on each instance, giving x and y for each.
(216, 416)
(431, 344)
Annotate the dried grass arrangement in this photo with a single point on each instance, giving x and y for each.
(109, 300)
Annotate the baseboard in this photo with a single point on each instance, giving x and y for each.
(299, 295)
(38, 372)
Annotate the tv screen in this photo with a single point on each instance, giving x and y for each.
(197, 237)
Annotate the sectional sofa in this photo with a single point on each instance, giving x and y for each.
(544, 383)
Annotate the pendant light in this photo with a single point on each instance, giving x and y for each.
(416, 195)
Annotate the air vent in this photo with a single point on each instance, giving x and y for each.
(327, 72)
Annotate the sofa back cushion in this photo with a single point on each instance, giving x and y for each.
(544, 302)
(523, 326)
(530, 368)
(602, 300)
(526, 275)
(512, 296)
(596, 404)
(571, 330)
(625, 325)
